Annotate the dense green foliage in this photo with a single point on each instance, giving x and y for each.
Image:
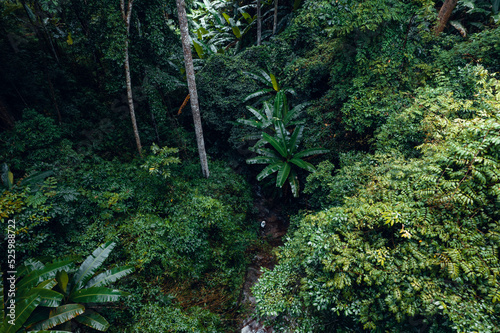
(395, 228)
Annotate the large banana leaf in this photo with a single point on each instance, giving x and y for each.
(96, 295)
(310, 152)
(29, 266)
(270, 169)
(283, 173)
(280, 148)
(48, 272)
(257, 94)
(265, 152)
(24, 309)
(61, 315)
(109, 276)
(303, 164)
(262, 160)
(93, 319)
(293, 144)
(294, 113)
(48, 297)
(91, 265)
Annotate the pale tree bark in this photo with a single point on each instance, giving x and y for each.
(193, 93)
(259, 24)
(275, 23)
(127, 14)
(444, 15)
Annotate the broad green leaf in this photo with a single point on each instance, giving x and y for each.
(247, 16)
(36, 177)
(276, 87)
(310, 152)
(226, 17)
(91, 265)
(199, 50)
(270, 169)
(251, 123)
(29, 266)
(283, 173)
(276, 144)
(109, 276)
(61, 315)
(294, 113)
(295, 139)
(48, 272)
(94, 320)
(236, 31)
(303, 164)
(268, 110)
(294, 183)
(279, 105)
(262, 77)
(96, 295)
(256, 113)
(62, 279)
(265, 152)
(48, 297)
(24, 309)
(281, 134)
(261, 160)
(257, 94)
(48, 284)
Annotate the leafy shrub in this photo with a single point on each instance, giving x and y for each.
(154, 318)
(414, 249)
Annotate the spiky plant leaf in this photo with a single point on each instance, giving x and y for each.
(109, 276)
(91, 265)
(96, 295)
(61, 315)
(94, 320)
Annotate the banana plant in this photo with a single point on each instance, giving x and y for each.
(33, 294)
(86, 287)
(39, 308)
(283, 156)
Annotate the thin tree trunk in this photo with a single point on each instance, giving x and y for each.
(188, 60)
(259, 24)
(444, 15)
(275, 23)
(127, 13)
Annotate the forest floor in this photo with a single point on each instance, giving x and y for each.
(269, 212)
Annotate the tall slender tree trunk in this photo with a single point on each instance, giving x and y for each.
(195, 108)
(275, 23)
(259, 24)
(127, 14)
(444, 15)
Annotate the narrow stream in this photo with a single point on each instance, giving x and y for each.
(272, 229)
